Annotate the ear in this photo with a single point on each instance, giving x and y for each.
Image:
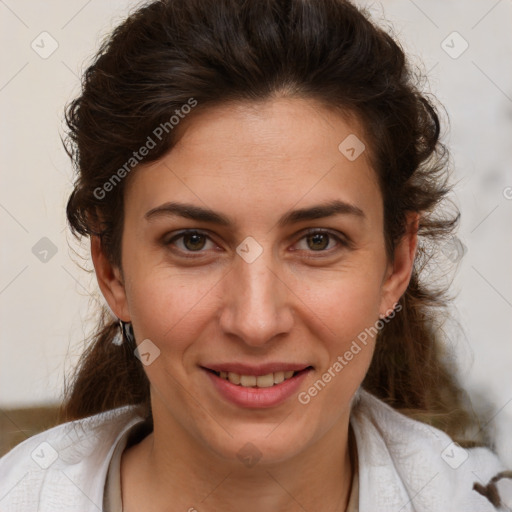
(398, 273)
(110, 280)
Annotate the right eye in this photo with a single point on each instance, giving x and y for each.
(191, 241)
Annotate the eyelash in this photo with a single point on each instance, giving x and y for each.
(342, 241)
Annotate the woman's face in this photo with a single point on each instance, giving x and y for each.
(286, 272)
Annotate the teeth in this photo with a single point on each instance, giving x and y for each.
(278, 377)
(248, 380)
(265, 381)
(260, 381)
(234, 378)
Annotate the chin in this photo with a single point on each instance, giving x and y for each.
(262, 444)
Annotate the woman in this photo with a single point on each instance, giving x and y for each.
(261, 183)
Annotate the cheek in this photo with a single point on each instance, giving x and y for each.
(343, 311)
(348, 310)
(164, 304)
(346, 300)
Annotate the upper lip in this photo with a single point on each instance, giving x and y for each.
(256, 369)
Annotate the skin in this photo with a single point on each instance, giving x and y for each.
(301, 300)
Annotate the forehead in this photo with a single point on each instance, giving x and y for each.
(260, 158)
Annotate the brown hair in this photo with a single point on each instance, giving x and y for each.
(170, 51)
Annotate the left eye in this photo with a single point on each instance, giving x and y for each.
(195, 241)
(318, 241)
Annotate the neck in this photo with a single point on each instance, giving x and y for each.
(172, 468)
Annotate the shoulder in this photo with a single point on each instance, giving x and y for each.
(65, 467)
(412, 466)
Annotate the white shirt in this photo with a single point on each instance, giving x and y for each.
(112, 499)
(404, 465)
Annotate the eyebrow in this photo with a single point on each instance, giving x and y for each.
(198, 213)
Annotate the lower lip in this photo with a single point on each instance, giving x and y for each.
(258, 398)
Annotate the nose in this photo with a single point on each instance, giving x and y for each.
(257, 305)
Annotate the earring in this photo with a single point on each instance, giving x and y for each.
(118, 338)
(128, 332)
(125, 332)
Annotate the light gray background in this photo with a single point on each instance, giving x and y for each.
(45, 307)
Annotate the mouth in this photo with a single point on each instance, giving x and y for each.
(268, 380)
(258, 387)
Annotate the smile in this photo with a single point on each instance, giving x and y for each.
(257, 387)
(258, 381)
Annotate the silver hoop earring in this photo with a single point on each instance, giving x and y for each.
(128, 332)
(118, 338)
(125, 333)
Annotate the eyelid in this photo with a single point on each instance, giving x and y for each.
(169, 241)
(341, 238)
